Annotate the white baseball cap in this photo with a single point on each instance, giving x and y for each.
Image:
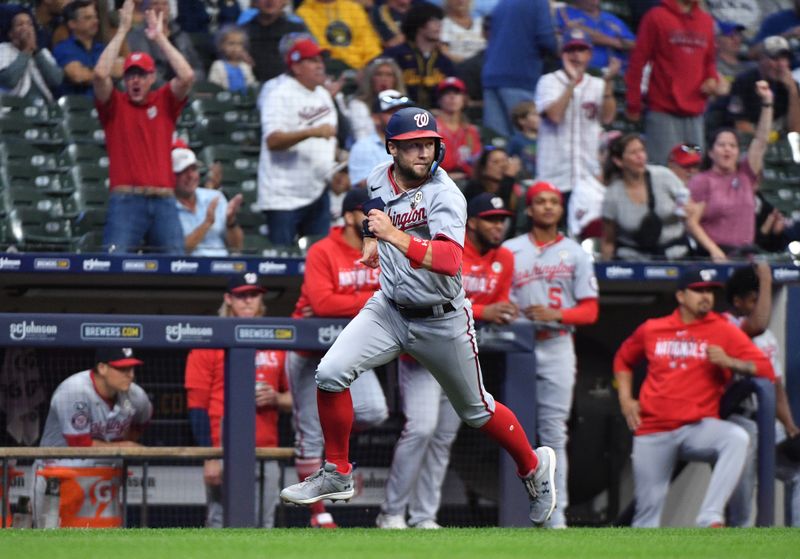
(182, 159)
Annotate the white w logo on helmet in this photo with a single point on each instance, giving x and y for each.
(421, 119)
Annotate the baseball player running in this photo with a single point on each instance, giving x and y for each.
(336, 285)
(417, 225)
(423, 451)
(98, 407)
(555, 287)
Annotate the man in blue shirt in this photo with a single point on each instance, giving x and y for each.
(208, 220)
(610, 36)
(369, 151)
(513, 60)
(78, 54)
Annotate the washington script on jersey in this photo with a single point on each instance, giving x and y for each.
(546, 272)
(680, 349)
(409, 220)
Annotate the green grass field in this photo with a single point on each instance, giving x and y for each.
(356, 543)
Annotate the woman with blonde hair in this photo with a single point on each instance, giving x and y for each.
(379, 75)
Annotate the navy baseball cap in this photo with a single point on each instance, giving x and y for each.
(244, 283)
(410, 123)
(698, 278)
(576, 39)
(487, 205)
(728, 27)
(355, 200)
(117, 357)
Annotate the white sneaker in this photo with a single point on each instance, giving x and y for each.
(327, 483)
(391, 522)
(427, 525)
(541, 486)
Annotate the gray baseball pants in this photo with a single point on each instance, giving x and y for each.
(422, 453)
(711, 440)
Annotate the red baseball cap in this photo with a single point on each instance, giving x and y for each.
(140, 60)
(302, 49)
(451, 83)
(540, 187)
(685, 155)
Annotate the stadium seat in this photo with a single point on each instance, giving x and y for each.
(83, 177)
(37, 111)
(250, 221)
(23, 152)
(44, 203)
(257, 244)
(90, 219)
(31, 227)
(206, 90)
(25, 175)
(84, 130)
(209, 131)
(226, 111)
(77, 104)
(187, 118)
(84, 154)
(16, 128)
(230, 156)
(247, 188)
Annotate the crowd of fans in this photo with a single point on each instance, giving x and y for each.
(553, 84)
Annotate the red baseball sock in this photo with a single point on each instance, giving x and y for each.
(306, 467)
(336, 419)
(504, 428)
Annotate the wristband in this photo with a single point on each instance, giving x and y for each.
(365, 229)
(417, 249)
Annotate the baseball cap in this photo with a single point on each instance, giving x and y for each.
(301, 50)
(117, 357)
(487, 205)
(540, 187)
(685, 155)
(182, 159)
(728, 27)
(355, 199)
(242, 283)
(451, 82)
(576, 38)
(389, 100)
(696, 278)
(776, 46)
(140, 60)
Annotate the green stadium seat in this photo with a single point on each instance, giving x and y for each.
(231, 157)
(89, 242)
(37, 111)
(25, 153)
(31, 227)
(84, 130)
(46, 204)
(84, 154)
(84, 177)
(24, 175)
(257, 244)
(247, 188)
(16, 128)
(210, 131)
(91, 219)
(206, 90)
(250, 221)
(187, 118)
(77, 105)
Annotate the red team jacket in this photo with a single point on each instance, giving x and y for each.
(681, 385)
(205, 388)
(486, 278)
(336, 284)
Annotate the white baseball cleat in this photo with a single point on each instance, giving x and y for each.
(427, 525)
(391, 521)
(327, 483)
(541, 486)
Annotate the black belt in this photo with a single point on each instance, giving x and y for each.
(421, 312)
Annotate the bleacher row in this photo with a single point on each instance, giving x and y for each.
(54, 166)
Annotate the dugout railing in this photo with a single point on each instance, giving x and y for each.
(241, 338)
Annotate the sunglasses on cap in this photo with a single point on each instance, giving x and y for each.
(690, 148)
(389, 101)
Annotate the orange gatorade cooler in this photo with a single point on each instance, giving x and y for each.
(85, 497)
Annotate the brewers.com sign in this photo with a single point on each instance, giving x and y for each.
(96, 331)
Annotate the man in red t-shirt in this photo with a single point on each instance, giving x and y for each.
(139, 125)
(691, 357)
(421, 455)
(205, 396)
(336, 285)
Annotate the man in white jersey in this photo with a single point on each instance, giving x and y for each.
(98, 407)
(554, 286)
(749, 292)
(415, 230)
(298, 148)
(574, 107)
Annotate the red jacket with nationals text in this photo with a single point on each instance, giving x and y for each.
(486, 278)
(205, 389)
(682, 386)
(336, 284)
(681, 48)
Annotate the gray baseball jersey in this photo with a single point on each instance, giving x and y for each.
(437, 208)
(77, 411)
(557, 275)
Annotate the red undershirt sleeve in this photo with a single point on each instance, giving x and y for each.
(585, 312)
(445, 256)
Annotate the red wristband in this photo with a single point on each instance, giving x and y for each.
(417, 249)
